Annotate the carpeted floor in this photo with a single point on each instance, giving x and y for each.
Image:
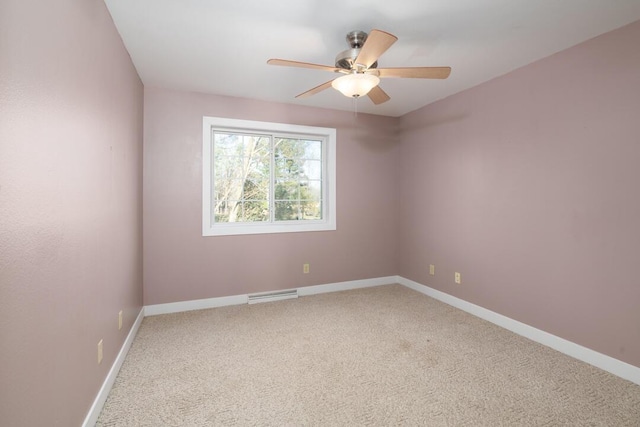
(377, 356)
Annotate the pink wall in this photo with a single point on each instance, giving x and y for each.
(180, 264)
(70, 206)
(528, 186)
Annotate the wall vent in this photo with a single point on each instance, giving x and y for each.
(272, 296)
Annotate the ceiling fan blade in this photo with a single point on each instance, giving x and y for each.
(376, 44)
(315, 90)
(287, 63)
(378, 96)
(415, 72)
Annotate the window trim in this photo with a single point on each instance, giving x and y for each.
(328, 223)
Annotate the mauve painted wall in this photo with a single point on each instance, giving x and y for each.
(70, 206)
(529, 186)
(180, 264)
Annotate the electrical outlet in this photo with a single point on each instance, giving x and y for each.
(305, 268)
(457, 278)
(120, 320)
(432, 269)
(99, 352)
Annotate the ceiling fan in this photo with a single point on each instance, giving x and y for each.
(359, 64)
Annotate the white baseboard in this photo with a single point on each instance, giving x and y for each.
(345, 286)
(592, 357)
(101, 398)
(197, 304)
(200, 304)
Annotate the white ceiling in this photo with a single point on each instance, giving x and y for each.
(222, 46)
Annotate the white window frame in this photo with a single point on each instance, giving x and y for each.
(328, 135)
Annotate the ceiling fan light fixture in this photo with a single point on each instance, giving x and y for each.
(355, 85)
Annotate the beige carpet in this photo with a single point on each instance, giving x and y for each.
(376, 356)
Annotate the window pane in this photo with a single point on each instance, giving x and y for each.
(288, 190)
(286, 210)
(288, 169)
(256, 189)
(258, 163)
(226, 167)
(242, 211)
(226, 144)
(241, 177)
(312, 169)
(311, 190)
(311, 210)
(298, 190)
(291, 148)
(313, 150)
(227, 210)
(255, 210)
(227, 200)
(289, 157)
(291, 210)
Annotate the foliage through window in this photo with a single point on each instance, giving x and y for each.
(267, 177)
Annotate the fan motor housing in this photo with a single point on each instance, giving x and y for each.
(347, 58)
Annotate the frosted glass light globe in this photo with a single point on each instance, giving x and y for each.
(355, 85)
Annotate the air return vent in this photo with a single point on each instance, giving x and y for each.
(272, 296)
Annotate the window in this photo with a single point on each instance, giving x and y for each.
(261, 177)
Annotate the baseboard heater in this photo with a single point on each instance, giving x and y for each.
(272, 296)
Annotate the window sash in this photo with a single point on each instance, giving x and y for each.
(274, 180)
(325, 205)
